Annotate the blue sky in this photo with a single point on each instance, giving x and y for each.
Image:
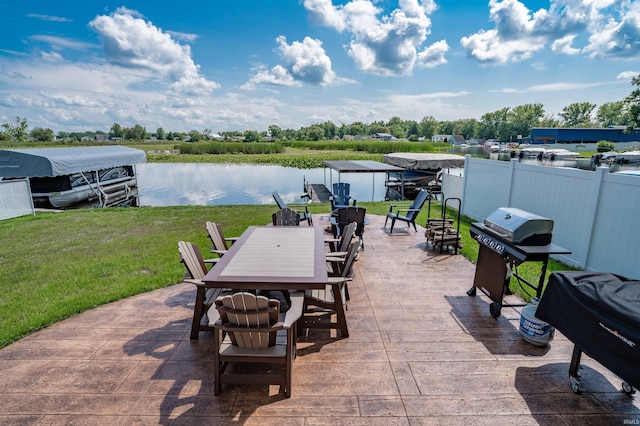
(247, 64)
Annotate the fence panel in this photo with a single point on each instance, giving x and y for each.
(15, 199)
(616, 232)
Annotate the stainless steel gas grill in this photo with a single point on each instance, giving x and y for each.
(507, 238)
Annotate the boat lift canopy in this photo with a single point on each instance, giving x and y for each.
(50, 162)
(424, 161)
(361, 166)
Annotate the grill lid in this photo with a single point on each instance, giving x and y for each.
(519, 226)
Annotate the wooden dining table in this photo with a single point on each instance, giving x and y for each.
(276, 258)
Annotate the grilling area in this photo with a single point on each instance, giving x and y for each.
(420, 351)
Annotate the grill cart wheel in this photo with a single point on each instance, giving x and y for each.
(576, 385)
(495, 309)
(627, 388)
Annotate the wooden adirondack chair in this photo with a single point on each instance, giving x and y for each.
(341, 196)
(303, 213)
(407, 214)
(250, 329)
(285, 217)
(192, 259)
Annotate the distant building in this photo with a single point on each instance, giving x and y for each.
(101, 138)
(384, 136)
(452, 139)
(551, 135)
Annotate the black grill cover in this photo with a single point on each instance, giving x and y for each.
(600, 313)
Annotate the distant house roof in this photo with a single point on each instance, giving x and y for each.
(48, 162)
(386, 136)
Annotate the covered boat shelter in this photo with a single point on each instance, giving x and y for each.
(64, 177)
(359, 166)
(51, 162)
(421, 170)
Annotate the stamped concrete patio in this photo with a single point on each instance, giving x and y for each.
(420, 352)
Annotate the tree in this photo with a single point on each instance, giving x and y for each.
(428, 127)
(632, 105)
(160, 135)
(251, 136)
(611, 114)
(195, 136)
(522, 118)
(136, 132)
(577, 114)
(116, 131)
(467, 127)
(495, 125)
(549, 121)
(275, 132)
(41, 135)
(413, 130)
(330, 130)
(17, 129)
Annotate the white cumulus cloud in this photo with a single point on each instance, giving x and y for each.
(303, 62)
(612, 28)
(130, 41)
(383, 45)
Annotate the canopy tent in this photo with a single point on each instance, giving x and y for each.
(50, 162)
(423, 161)
(362, 166)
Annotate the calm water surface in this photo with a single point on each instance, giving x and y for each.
(163, 184)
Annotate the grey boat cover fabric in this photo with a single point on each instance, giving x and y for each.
(360, 166)
(423, 161)
(48, 162)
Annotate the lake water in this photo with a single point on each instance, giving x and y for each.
(168, 184)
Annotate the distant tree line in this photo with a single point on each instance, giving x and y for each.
(505, 124)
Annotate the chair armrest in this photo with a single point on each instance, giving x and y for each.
(295, 310)
(220, 252)
(232, 239)
(230, 328)
(338, 280)
(408, 210)
(328, 239)
(336, 256)
(299, 207)
(198, 283)
(212, 260)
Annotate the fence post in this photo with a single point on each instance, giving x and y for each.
(592, 210)
(512, 174)
(465, 173)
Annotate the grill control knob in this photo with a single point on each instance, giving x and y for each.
(499, 248)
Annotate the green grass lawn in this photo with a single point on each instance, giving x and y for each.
(55, 265)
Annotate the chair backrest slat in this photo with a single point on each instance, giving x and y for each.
(279, 201)
(350, 214)
(346, 236)
(192, 259)
(417, 203)
(341, 194)
(253, 312)
(217, 237)
(285, 217)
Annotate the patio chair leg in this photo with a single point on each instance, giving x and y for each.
(197, 312)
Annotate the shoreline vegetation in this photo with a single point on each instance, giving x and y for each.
(56, 265)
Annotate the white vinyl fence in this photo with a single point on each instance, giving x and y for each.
(15, 198)
(596, 214)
